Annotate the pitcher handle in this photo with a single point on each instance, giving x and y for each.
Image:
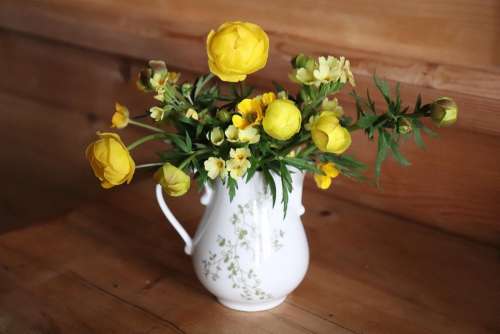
(173, 221)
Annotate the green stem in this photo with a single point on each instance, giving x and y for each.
(154, 164)
(142, 140)
(191, 157)
(145, 126)
(305, 153)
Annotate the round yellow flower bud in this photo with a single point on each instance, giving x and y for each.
(237, 49)
(282, 119)
(444, 111)
(173, 180)
(110, 160)
(328, 135)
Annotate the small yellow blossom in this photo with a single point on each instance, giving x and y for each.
(250, 113)
(215, 167)
(232, 134)
(191, 113)
(237, 169)
(240, 154)
(333, 106)
(327, 133)
(120, 118)
(157, 113)
(323, 181)
(267, 98)
(217, 136)
(249, 135)
(444, 111)
(324, 70)
(160, 94)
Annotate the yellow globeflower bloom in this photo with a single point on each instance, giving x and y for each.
(282, 119)
(323, 181)
(237, 49)
(120, 117)
(215, 167)
(250, 113)
(191, 113)
(268, 98)
(173, 180)
(110, 160)
(328, 135)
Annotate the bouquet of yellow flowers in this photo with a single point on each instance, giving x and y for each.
(227, 132)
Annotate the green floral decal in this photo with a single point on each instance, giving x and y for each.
(227, 258)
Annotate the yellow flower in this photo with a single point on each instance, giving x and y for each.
(156, 113)
(332, 105)
(237, 169)
(444, 111)
(268, 98)
(250, 111)
(323, 181)
(249, 135)
(110, 160)
(237, 49)
(324, 70)
(191, 113)
(282, 119)
(120, 117)
(173, 180)
(232, 133)
(240, 154)
(217, 136)
(328, 135)
(215, 167)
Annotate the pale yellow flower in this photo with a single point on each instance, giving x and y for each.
(333, 106)
(215, 167)
(157, 113)
(237, 168)
(240, 154)
(249, 135)
(120, 118)
(324, 70)
(191, 113)
(159, 80)
(232, 134)
(160, 94)
(217, 136)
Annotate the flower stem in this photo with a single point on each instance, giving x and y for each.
(154, 164)
(142, 125)
(142, 140)
(191, 157)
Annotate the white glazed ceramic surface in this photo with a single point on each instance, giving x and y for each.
(245, 252)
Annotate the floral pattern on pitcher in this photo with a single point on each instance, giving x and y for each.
(227, 259)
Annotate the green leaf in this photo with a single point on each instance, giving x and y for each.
(302, 164)
(395, 150)
(381, 154)
(189, 143)
(286, 185)
(383, 87)
(232, 185)
(179, 142)
(270, 183)
(367, 121)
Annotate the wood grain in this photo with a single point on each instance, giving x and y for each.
(446, 46)
(438, 189)
(113, 265)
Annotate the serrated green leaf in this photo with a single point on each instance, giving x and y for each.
(366, 121)
(382, 147)
(270, 183)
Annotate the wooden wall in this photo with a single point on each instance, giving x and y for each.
(64, 63)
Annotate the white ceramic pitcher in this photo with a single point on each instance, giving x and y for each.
(244, 251)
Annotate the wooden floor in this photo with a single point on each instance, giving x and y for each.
(112, 265)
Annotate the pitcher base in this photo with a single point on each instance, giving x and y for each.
(251, 307)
